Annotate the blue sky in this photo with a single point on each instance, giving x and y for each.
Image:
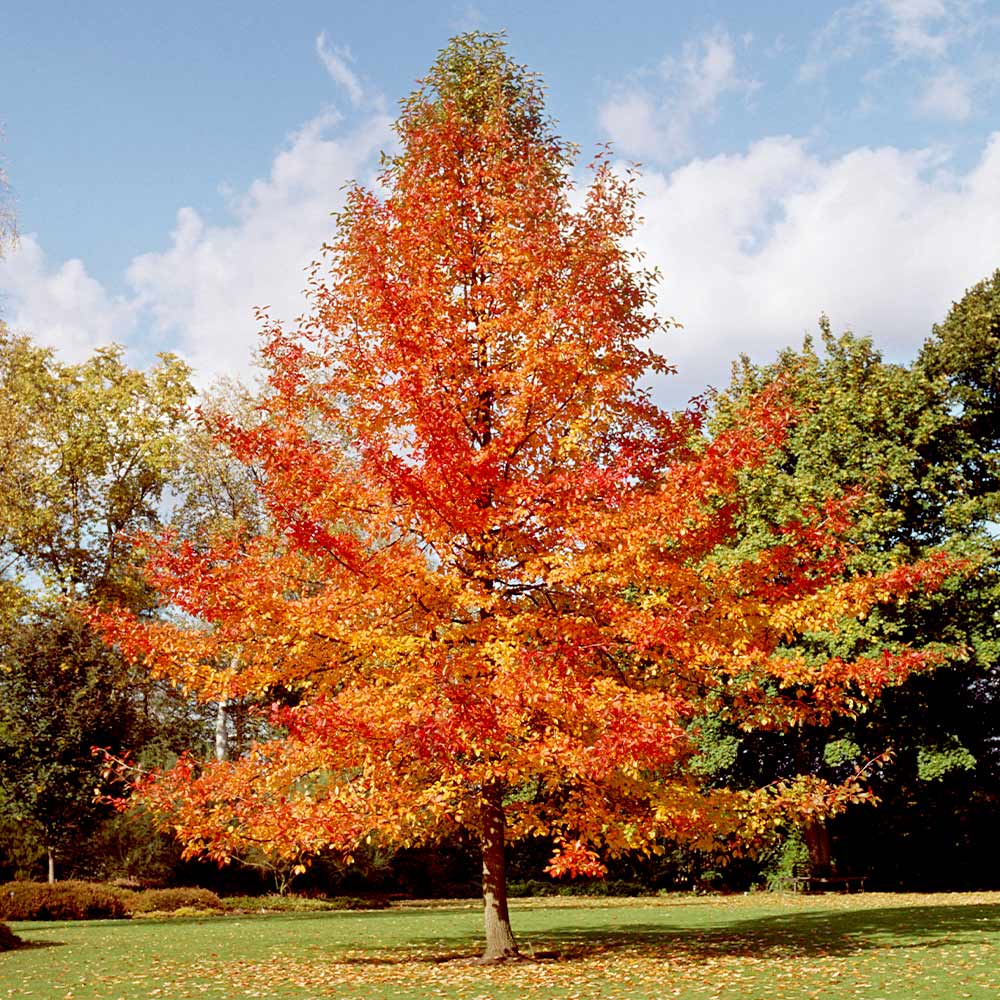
(173, 166)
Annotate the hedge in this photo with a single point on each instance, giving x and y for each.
(171, 900)
(60, 901)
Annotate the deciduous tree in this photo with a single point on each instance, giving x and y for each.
(494, 592)
(89, 449)
(913, 442)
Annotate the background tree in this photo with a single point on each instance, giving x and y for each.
(219, 496)
(493, 588)
(62, 692)
(901, 436)
(90, 450)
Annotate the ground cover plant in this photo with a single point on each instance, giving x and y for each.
(881, 947)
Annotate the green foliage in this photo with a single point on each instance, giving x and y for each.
(964, 352)
(718, 749)
(863, 425)
(784, 860)
(301, 904)
(916, 446)
(587, 887)
(61, 901)
(839, 752)
(171, 900)
(936, 762)
(62, 692)
(89, 450)
(128, 846)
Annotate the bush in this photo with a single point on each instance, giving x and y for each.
(598, 887)
(299, 904)
(8, 939)
(784, 860)
(531, 887)
(60, 901)
(171, 900)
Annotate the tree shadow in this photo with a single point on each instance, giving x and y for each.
(24, 945)
(807, 934)
(804, 934)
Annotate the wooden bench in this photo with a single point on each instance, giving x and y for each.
(802, 880)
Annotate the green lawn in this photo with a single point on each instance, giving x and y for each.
(751, 948)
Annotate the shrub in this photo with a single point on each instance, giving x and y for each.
(299, 904)
(531, 887)
(786, 858)
(171, 900)
(8, 939)
(60, 901)
(599, 887)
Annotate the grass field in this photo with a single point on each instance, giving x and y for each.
(764, 947)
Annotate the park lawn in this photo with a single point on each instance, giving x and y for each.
(759, 947)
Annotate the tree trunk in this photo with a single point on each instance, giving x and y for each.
(500, 943)
(222, 731)
(52, 864)
(817, 838)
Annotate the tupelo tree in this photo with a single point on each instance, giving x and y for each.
(493, 592)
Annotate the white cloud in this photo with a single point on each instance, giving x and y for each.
(337, 60)
(60, 306)
(848, 32)
(654, 112)
(201, 292)
(754, 247)
(924, 27)
(199, 296)
(946, 96)
(913, 29)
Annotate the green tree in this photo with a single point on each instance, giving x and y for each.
(62, 692)
(90, 449)
(90, 452)
(963, 353)
(911, 443)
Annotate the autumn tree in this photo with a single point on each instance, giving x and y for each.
(494, 592)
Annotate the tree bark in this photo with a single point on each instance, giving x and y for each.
(52, 864)
(500, 943)
(222, 731)
(817, 838)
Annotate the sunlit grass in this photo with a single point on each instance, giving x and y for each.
(751, 948)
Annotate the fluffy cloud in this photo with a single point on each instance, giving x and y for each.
(654, 113)
(61, 306)
(754, 247)
(202, 291)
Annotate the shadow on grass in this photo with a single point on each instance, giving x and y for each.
(24, 945)
(800, 935)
